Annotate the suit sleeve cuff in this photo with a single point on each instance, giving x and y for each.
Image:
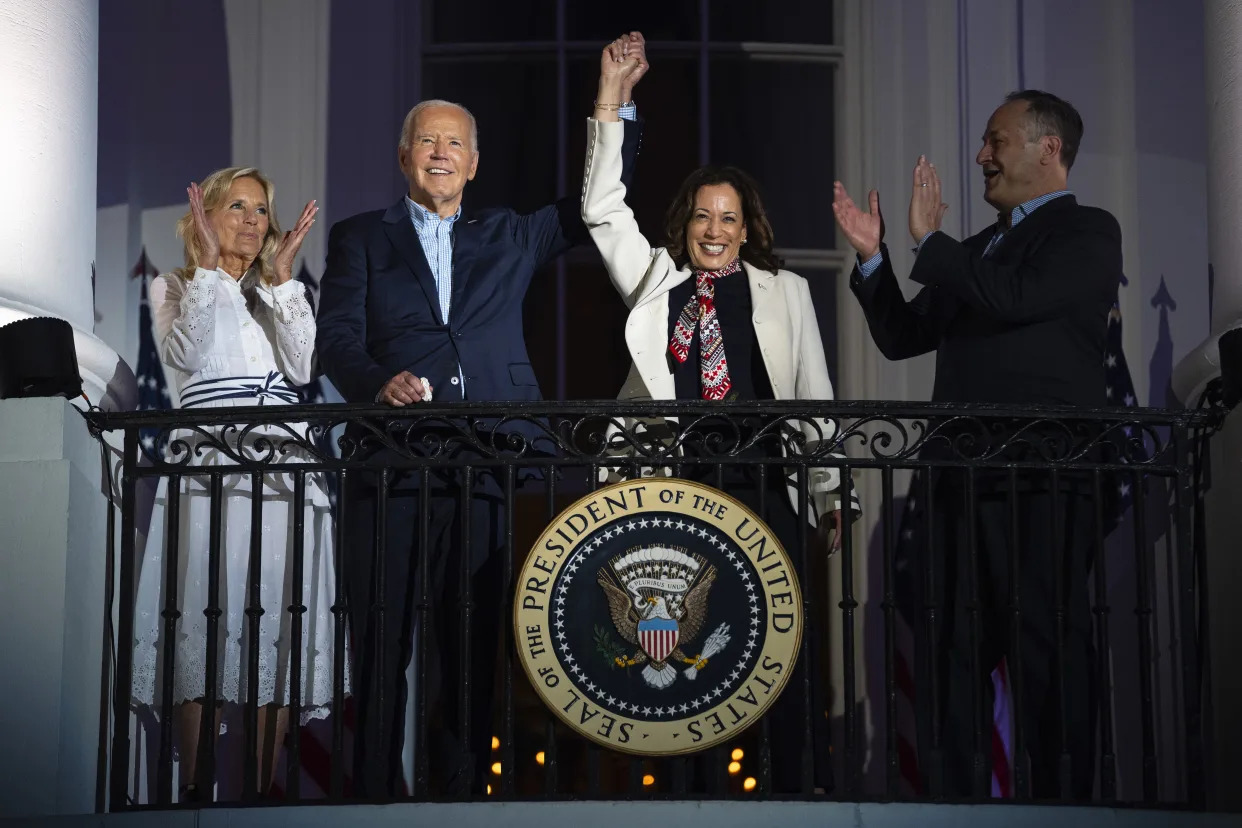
(865, 269)
(922, 242)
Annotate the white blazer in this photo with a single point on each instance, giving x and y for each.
(784, 318)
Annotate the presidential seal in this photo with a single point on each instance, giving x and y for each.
(658, 617)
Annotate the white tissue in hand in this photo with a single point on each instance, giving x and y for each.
(426, 389)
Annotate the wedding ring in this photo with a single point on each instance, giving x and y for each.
(922, 183)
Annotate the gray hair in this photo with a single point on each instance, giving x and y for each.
(407, 126)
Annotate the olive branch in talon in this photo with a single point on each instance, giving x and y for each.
(610, 649)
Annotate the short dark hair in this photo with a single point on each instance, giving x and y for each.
(1047, 114)
(758, 248)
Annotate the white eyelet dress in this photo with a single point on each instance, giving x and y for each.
(227, 345)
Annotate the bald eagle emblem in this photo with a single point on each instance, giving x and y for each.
(657, 597)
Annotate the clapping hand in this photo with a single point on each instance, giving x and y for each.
(208, 239)
(287, 252)
(864, 231)
(926, 209)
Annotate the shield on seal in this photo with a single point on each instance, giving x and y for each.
(657, 637)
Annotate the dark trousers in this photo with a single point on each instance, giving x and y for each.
(1051, 677)
(458, 711)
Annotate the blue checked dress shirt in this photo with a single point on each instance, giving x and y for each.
(435, 234)
(865, 269)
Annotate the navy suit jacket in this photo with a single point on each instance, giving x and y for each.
(1025, 325)
(379, 312)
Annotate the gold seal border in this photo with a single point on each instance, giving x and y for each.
(564, 697)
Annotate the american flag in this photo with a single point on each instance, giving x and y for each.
(1119, 389)
(152, 387)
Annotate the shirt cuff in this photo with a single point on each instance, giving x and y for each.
(865, 269)
(628, 112)
(915, 250)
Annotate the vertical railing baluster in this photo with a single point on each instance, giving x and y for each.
(340, 608)
(123, 693)
(508, 752)
(550, 766)
(171, 615)
(892, 758)
(422, 744)
(1143, 615)
(1061, 566)
(593, 752)
(802, 566)
(296, 609)
(931, 660)
(466, 652)
(765, 723)
(254, 613)
(1017, 683)
(981, 771)
(207, 728)
(848, 605)
(1108, 756)
(105, 671)
(1196, 793)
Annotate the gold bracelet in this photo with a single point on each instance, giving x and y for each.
(608, 107)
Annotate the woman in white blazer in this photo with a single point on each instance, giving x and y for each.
(712, 316)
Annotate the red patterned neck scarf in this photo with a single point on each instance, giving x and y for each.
(700, 312)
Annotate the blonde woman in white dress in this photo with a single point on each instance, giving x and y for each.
(235, 329)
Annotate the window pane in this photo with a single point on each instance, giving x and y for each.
(453, 21)
(670, 109)
(514, 102)
(656, 19)
(778, 22)
(775, 120)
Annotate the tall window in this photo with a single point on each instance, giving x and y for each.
(732, 82)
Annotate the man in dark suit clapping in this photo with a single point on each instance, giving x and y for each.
(427, 295)
(1017, 314)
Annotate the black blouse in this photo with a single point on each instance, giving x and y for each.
(733, 308)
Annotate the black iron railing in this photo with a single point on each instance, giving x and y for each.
(1140, 469)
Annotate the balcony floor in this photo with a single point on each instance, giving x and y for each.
(716, 814)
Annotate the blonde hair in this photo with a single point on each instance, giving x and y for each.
(407, 126)
(215, 191)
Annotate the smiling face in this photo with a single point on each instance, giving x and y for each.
(438, 160)
(241, 220)
(1016, 168)
(717, 227)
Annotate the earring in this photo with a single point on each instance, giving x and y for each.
(743, 241)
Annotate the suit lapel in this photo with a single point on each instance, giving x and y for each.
(404, 238)
(767, 313)
(465, 251)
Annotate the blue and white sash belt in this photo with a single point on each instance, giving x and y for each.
(273, 388)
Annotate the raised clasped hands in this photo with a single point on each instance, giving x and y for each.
(863, 230)
(622, 63)
(287, 252)
(926, 209)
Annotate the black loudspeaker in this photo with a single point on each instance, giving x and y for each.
(37, 359)
(1230, 345)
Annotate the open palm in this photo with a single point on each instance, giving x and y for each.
(863, 230)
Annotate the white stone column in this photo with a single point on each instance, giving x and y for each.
(49, 97)
(1223, 56)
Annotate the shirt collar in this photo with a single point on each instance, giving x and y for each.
(1026, 208)
(421, 216)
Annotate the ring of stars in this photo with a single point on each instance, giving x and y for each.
(748, 642)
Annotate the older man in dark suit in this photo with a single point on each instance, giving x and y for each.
(426, 297)
(1016, 314)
